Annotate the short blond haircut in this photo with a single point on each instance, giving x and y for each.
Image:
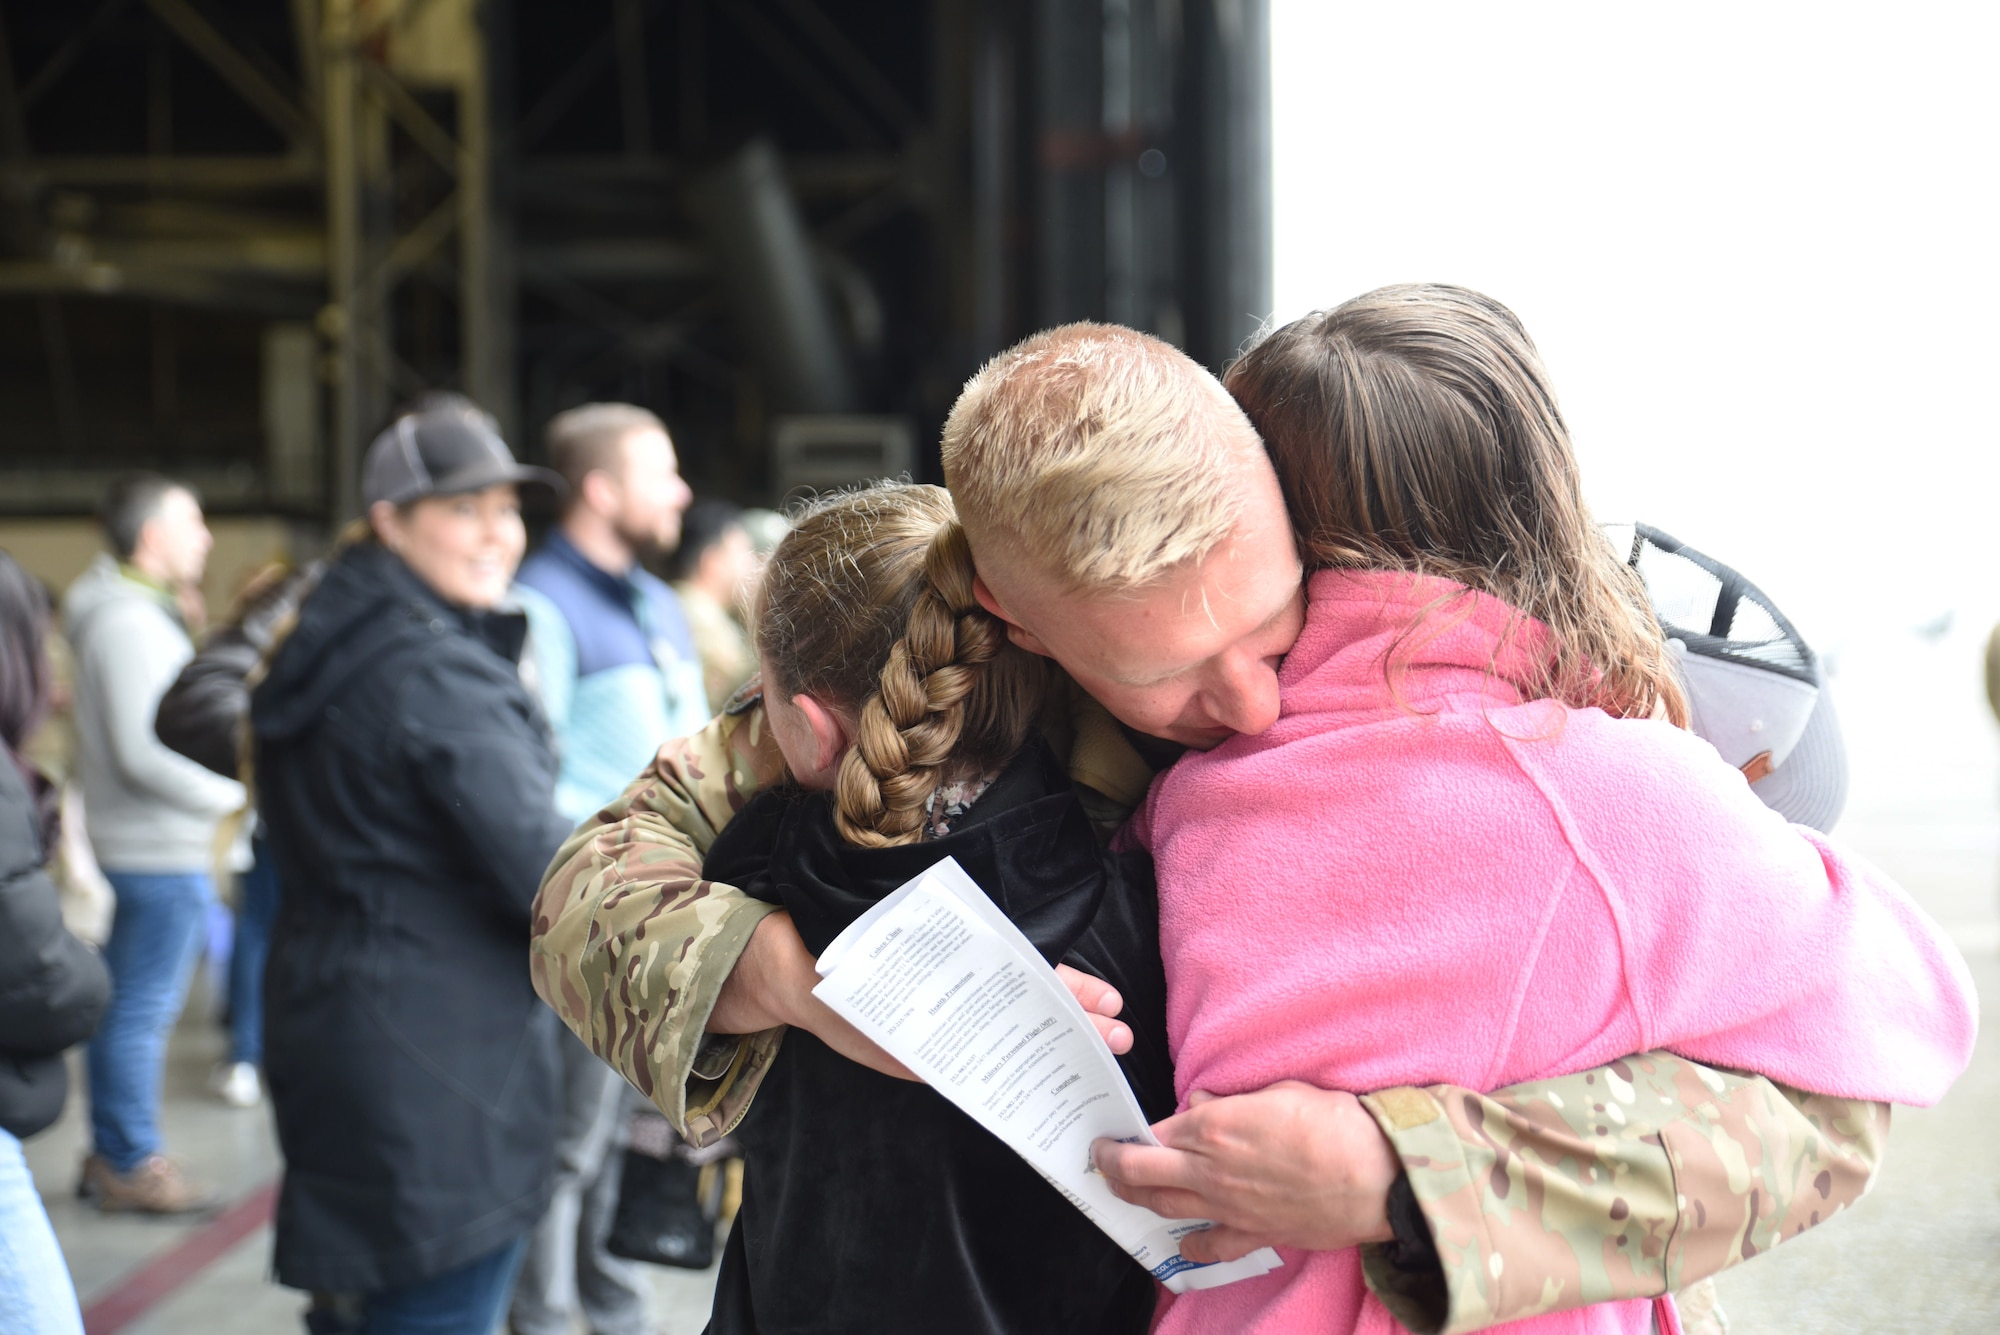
(1097, 454)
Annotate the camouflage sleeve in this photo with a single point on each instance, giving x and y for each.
(1635, 1179)
(631, 946)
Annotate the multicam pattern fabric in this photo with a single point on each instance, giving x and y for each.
(632, 946)
(1632, 1180)
(1698, 1169)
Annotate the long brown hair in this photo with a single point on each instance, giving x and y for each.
(1414, 428)
(867, 606)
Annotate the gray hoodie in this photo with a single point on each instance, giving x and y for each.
(146, 808)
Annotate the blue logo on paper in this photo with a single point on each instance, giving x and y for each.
(1174, 1265)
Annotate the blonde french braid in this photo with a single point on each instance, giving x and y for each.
(908, 729)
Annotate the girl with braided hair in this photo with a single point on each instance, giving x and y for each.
(908, 725)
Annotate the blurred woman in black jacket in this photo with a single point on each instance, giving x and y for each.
(407, 780)
(53, 987)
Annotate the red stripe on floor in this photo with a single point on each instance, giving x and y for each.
(163, 1276)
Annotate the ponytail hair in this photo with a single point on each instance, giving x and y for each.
(867, 606)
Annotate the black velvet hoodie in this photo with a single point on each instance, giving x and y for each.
(873, 1205)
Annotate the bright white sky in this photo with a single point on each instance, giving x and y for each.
(1755, 242)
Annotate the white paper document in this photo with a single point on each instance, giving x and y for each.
(938, 976)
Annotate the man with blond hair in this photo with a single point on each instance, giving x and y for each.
(1126, 523)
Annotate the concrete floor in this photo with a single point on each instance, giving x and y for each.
(1921, 1254)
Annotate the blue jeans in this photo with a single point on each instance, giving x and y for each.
(36, 1296)
(465, 1301)
(259, 895)
(155, 937)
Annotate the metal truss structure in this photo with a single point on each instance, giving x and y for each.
(236, 234)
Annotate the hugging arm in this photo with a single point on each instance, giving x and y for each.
(1638, 1178)
(632, 947)
(1631, 1180)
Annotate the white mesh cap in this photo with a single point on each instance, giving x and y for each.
(1756, 691)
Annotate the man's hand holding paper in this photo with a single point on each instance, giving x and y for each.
(1290, 1165)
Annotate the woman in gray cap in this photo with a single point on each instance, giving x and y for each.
(406, 779)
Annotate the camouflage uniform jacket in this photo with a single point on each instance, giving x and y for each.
(1627, 1181)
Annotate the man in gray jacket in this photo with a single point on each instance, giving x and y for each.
(152, 817)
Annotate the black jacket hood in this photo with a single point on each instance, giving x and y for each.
(367, 599)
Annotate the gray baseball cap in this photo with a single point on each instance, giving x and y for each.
(443, 450)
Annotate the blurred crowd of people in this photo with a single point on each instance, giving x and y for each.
(379, 752)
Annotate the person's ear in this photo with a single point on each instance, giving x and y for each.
(599, 490)
(144, 542)
(388, 525)
(1018, 633)
(830, 736)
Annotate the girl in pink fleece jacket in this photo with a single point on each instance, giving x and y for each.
(1477, 791)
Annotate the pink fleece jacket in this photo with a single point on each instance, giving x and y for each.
(1448, 883)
